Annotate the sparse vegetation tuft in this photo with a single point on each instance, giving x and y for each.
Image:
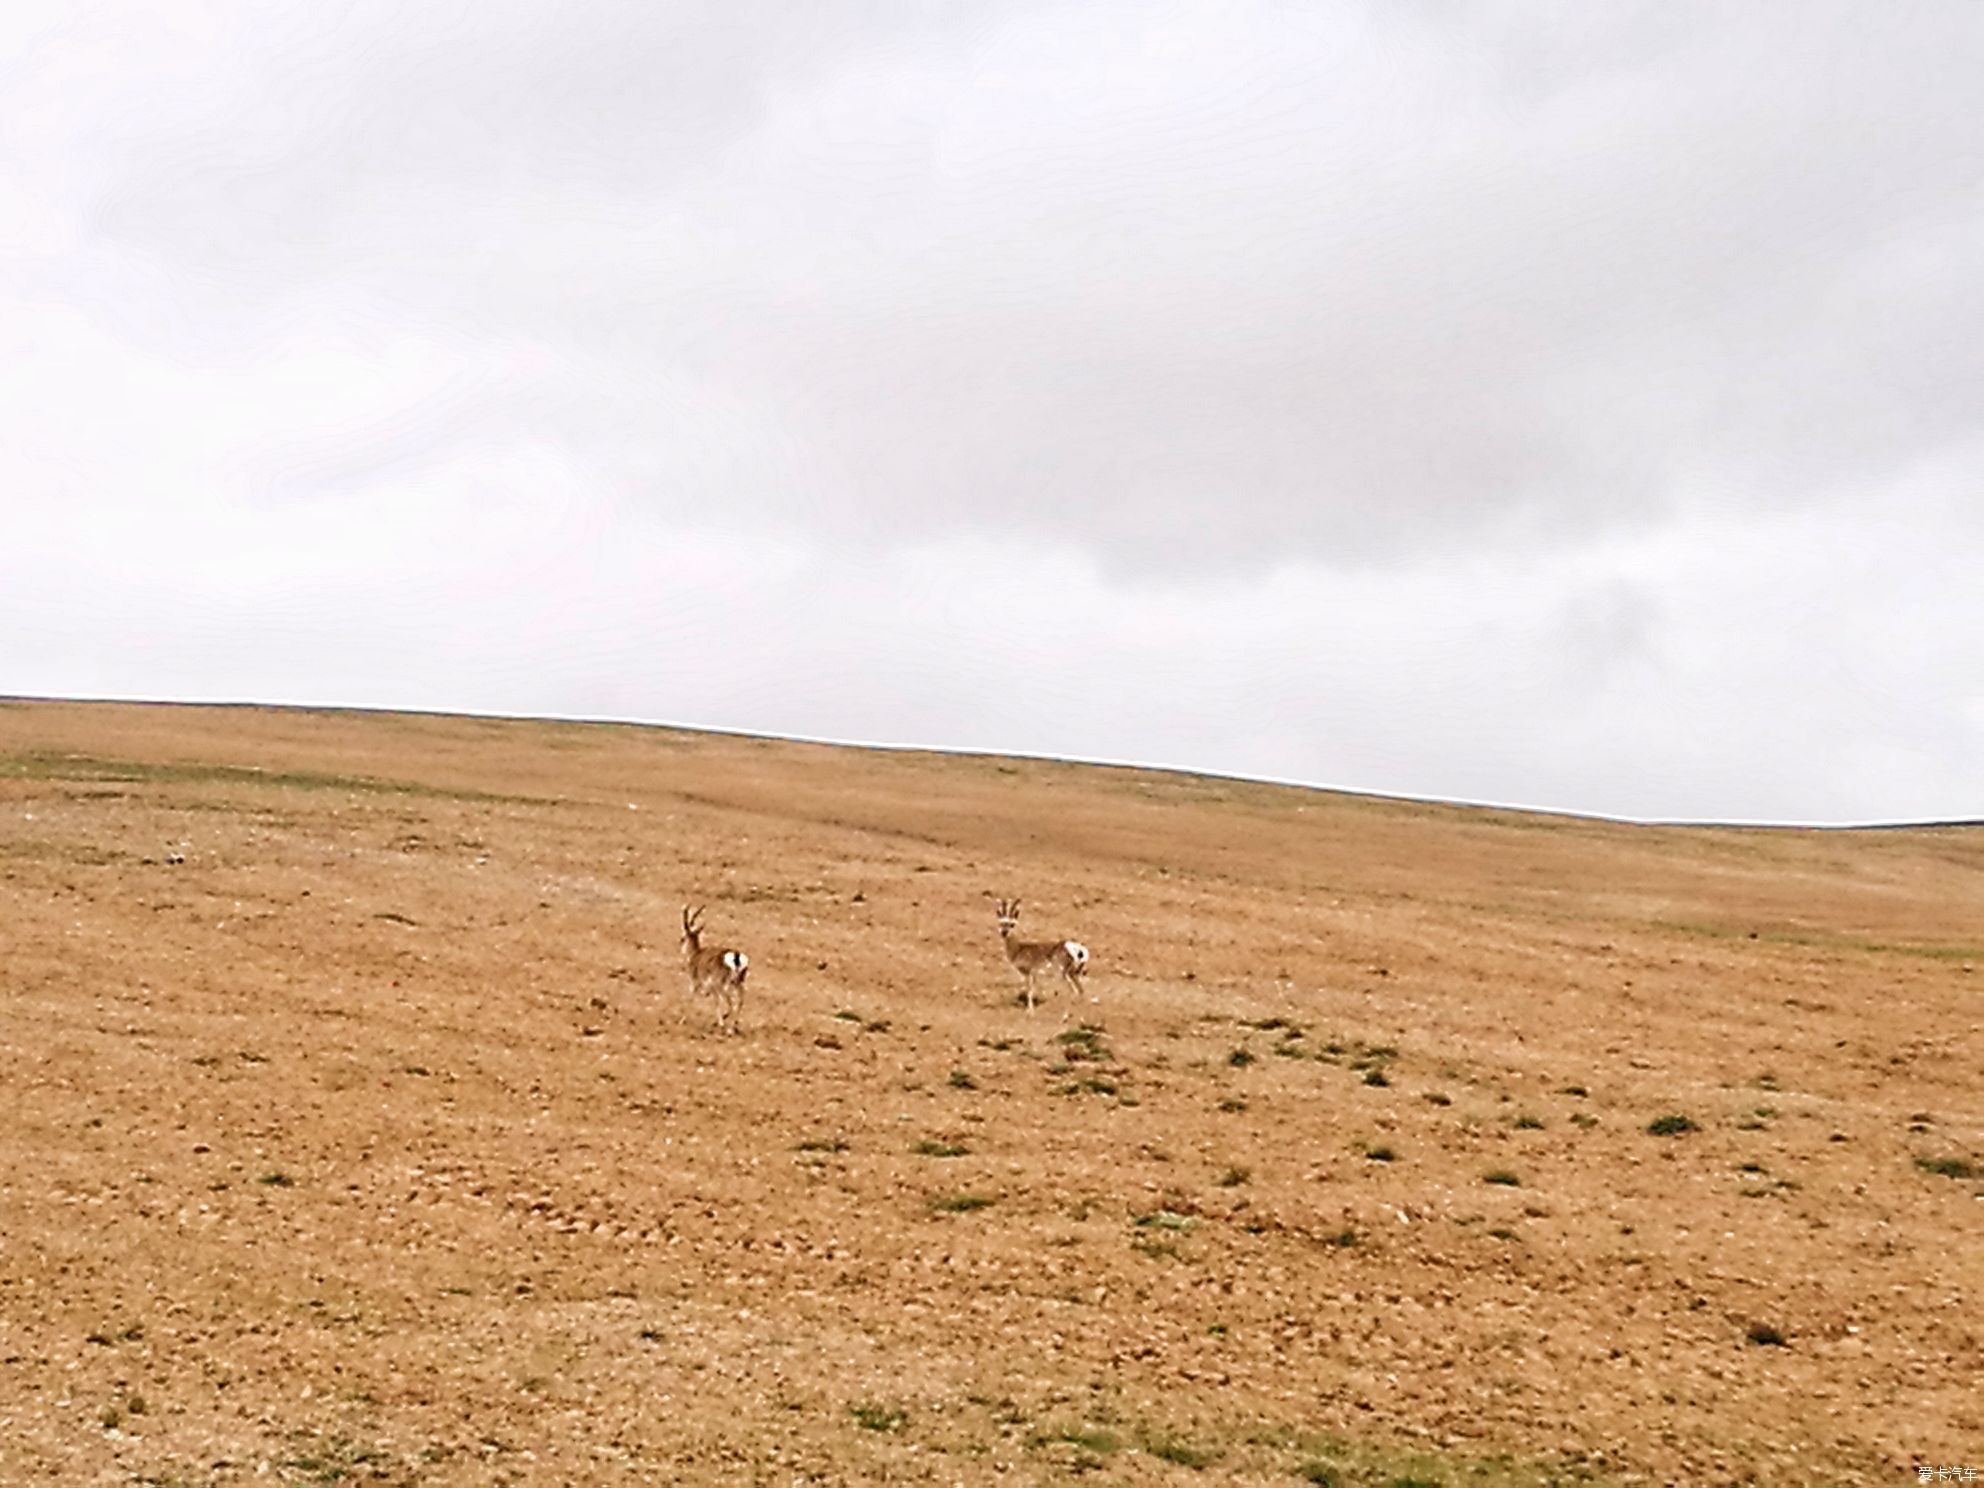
(1088, 1085)
(870, 1417)
(1170, 1449)
(336, 1460)
(959, 1203)
(1083, 1043)
(1502, 1178)
(931, 1147)
(1950, 1167)
(1671, 1126)
(1089, 1438)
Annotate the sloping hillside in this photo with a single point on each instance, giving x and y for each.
(360, 1126)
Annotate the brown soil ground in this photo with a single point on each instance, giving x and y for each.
(359, 1125)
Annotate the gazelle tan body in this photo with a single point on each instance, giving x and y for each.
(714, 971)
(1067, 959)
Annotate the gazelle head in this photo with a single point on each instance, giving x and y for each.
(692, 929)
(1009, 915)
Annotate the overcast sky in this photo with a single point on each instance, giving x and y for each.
(1573, 405)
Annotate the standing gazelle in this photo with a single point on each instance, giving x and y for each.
(1031, 958)
(713, 970)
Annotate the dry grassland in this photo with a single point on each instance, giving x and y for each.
(359, 1127)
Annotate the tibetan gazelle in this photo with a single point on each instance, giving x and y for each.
(713, 970)
(1068, 958)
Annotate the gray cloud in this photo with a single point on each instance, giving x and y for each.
(1383, 345)
(1197, 283)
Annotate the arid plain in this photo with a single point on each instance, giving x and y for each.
(359, 1126)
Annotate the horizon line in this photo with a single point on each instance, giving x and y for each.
(976, 752)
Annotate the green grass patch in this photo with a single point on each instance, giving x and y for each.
(1083, 1044)
(1094, 1439)
(1372, 1059)
(872, 1417)
(58, 765)
(335, 1459)
(1950, 1167)
(1173, 1449)
(1088, 1085)
(1340, 1462)
(1837, 944)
